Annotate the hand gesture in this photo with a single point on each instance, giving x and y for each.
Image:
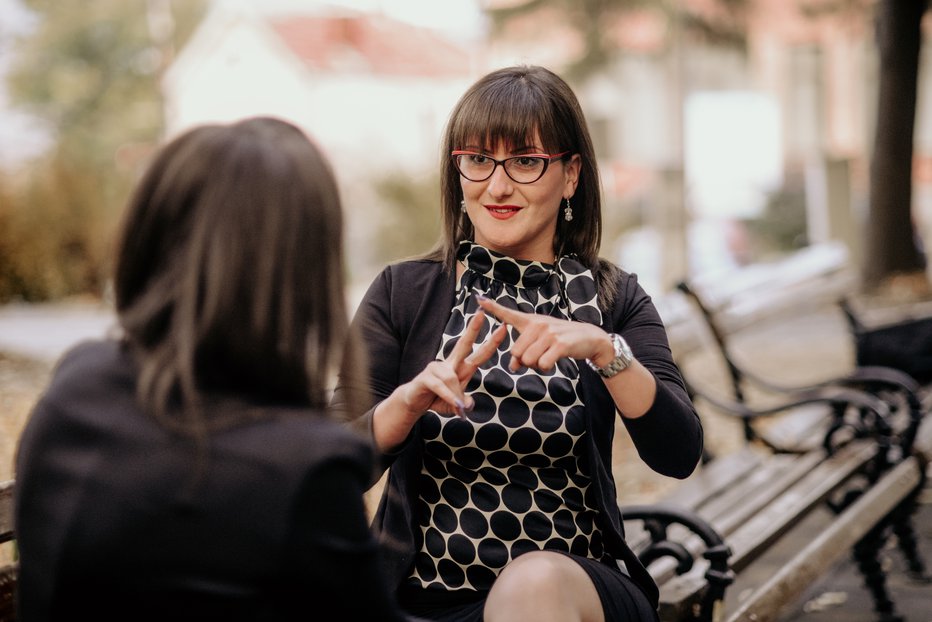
(440, 386)
(543, 339)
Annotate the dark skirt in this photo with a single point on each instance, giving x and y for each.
(622, 600)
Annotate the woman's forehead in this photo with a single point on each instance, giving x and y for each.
(493, 142)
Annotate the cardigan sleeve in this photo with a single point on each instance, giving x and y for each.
(669, 436)
(384, 344)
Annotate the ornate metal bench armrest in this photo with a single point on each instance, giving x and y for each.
(657, 519)
(877, 424)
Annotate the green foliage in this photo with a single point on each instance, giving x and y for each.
(90, 71)
(54, 238)
(410, 224)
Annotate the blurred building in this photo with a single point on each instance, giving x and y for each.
(701, 125)
(374, 92)
(700, 131)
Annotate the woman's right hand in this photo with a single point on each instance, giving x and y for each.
(439, 387)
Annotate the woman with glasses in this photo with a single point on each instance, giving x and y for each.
(192, 469)
(498, 364)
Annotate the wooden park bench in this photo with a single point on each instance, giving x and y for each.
(8, 569)
(835, 468)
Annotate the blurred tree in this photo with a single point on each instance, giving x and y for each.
(90, 70)
(892, 248)
(599, 48)
(410, 223)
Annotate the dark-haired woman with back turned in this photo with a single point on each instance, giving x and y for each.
(192, 469)
(498, 364)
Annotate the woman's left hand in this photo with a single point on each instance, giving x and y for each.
(543, 339)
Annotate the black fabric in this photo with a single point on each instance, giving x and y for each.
(442, 605)
(622, 600)
(275, 528)
(904, 345)
(402, 317)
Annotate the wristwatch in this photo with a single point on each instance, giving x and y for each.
(623, 358)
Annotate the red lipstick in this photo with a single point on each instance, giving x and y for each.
(502, 212)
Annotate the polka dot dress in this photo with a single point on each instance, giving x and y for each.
(513, 477)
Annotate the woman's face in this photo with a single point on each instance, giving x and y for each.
(519, 220)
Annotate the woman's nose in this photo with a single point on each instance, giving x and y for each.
(500, 183)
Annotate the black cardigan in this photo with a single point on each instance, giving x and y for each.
(401, 319)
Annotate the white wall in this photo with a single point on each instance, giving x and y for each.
(235, 70)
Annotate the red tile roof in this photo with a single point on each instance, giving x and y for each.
(371, 44)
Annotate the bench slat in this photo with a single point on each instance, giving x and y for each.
(715, 478)
(679, 593)
(842, 533)
(754, 528)
(781, 474)
(773, 521)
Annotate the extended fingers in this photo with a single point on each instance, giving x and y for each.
(526, 349)
(516, 318)
(546, 341)
(464, 346)
(486, 349)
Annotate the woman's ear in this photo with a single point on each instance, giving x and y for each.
(571, 174)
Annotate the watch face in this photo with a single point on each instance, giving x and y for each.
(622, 360)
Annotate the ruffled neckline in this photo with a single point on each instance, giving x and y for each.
(568, 281)
(517, 272)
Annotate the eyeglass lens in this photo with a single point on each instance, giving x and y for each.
(522, 169)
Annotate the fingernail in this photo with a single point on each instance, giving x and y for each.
(482, 297)
(470, 404)
(460, 409)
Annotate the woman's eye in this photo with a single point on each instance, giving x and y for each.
(527, 162)
(477, 158)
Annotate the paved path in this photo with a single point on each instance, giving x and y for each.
(44, 332)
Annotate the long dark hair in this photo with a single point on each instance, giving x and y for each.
(511, 105)
(229, 276)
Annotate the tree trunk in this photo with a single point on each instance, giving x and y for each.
(891, 237)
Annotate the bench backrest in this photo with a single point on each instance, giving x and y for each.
(807, 279)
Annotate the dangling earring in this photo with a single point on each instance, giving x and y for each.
(568, 214)
(463, 206)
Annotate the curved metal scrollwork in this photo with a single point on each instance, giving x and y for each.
(657, 520)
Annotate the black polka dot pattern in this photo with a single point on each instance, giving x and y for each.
(512, 477)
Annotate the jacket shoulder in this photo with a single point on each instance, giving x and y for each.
(413, 271)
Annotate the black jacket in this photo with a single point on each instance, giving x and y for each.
(402, 317)
(109, 528)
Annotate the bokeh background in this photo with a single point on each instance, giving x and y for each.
(728, 132)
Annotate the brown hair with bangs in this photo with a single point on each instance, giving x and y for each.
(229, 277)
(511, 106)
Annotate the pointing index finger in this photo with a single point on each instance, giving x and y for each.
(503, 314)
